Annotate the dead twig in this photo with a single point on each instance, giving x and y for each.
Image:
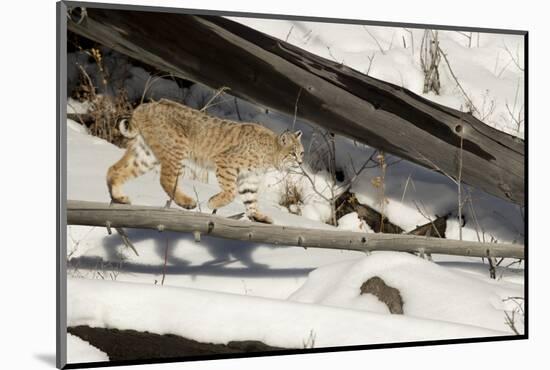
(375, 40)
(371, 59)
(469, 102)
(430, 58)
(165, 262)
(197, 197)
(515, 59)
(219, 92)
(126, 239)
(332, 56)
(296, 108)
(412, 40)
(468, 36)
(459, 186)
(151, 80)
(289, 32)
(424, 214)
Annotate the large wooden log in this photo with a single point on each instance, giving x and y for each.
(219, 52)
(156, 218)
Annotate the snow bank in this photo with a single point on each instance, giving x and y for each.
(314, 191)
(428, 290)
(214, 317)
(79, 350)
(352, 222)
(415, 195)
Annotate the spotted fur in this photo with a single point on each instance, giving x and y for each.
(167, 133)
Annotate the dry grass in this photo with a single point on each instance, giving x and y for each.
(292, 197)
(107, 112)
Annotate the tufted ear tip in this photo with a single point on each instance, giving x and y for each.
(283, 137)
(298, 134)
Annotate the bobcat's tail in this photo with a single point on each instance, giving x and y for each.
(126, 130)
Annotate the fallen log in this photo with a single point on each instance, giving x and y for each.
(161, 219)
(219, 52)
(435, 228)
(347, 203)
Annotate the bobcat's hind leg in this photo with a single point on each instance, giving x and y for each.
(169, 175)
(136, 161)
(227, 179)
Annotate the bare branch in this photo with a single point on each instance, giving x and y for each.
(219, 92)
(332, 56)
(126, 239)
(515, 59)
(424, 214)
(468, 100)
(289, 32)
(375, 40)
(371, 59)
(296, 108)
(412, 40)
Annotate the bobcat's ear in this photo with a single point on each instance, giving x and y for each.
(298, 134)
(284, 139)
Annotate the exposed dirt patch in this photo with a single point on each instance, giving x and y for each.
(385, 293)
(127, 345)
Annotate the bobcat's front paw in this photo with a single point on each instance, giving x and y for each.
(258, 217)
(121, 200)
(188, 205)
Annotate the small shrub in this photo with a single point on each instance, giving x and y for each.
(107, 111)
(292, 197)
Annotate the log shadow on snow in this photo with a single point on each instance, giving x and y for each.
(223, 251)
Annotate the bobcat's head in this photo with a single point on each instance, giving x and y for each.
(291, 150)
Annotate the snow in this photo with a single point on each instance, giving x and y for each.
(75, 106)
(428, 290)
(415, 196)
(220, 290)
(314, 192)
(214, 317)
(352, 222)
(79, 350)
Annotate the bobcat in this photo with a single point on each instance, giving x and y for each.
(167, 133)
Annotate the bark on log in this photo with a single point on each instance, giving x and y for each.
(156, 218)
(347, 203)
(435, 228)
(219, 52)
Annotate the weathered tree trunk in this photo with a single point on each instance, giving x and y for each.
(219, 52)
(435, 228)
(144, 217)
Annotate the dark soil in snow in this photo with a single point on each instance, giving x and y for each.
(124, 345)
